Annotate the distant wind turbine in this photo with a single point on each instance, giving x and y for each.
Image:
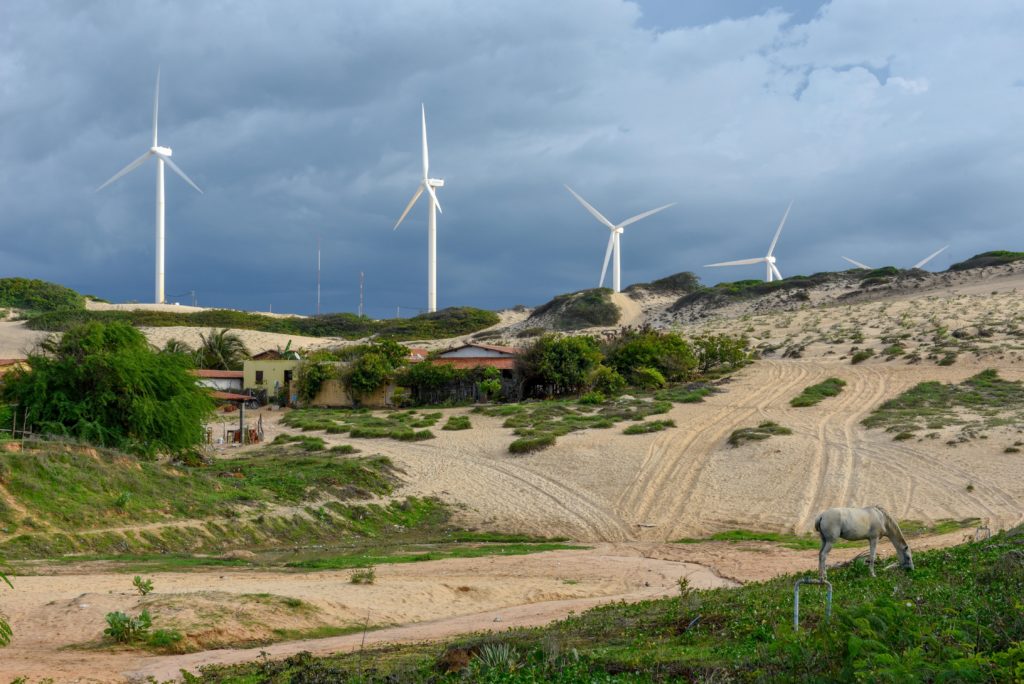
(163, 155)
(614, 239)
(919, 264)
(433, 206)
(771, 271)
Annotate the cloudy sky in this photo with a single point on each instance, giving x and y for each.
(895, 126)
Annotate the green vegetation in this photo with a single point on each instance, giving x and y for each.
(363, 576)
(723, 293)
(221, 350)
(104, 384)
(649, 426)
(753, 434)
(457, 423)
(442, 324)
(815, 393)
(861, 355)
(538, 424)
(305, 442)
(678, 283)
(144, 586)
(361, 423)
(978, 403)
(5, 628)
(995, 258)
(789, 541)
(369, 559)
(125, 629)
(583, 309)
(34, 296)
(956, 618)
(684, 394)
(636, 353)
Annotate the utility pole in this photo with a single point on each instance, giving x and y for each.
(362, 285)
(317, 275)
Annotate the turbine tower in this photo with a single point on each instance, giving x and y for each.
(919, 264)
(771, 271)
(163, 155)
(433, 207)
(615, 238)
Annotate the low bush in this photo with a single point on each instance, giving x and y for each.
(457, 423)
(144, 586)
(816, 393)
(526, 445)
(649, 426)
(363, 576)
(125, 629)
(861, 355)
(763, 431)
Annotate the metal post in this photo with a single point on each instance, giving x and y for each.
(241, 422)
(796, 599)
(362, 282)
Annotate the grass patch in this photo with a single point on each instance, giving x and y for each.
(861, 355)
(753, 434)
(956, 617)
(816, 393)
(457, 423)
(369, 559)
(789, 541)
(684, 394)
(649, 426)
(528, 445)
(404, 426)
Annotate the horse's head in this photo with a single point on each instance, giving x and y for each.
(907, 562)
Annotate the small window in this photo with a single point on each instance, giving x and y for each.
(287, 376)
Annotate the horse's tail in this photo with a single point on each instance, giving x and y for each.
(817, 523)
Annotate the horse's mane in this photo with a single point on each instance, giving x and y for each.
(889, 518)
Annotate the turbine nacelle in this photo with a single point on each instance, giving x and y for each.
(770, 259)
(161, 151)
(435, 182)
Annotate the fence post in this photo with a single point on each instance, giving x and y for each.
(982, 531)
(796, 599)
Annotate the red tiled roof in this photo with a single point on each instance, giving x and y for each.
(222, 374)
(230, 396)
(489, 347)
(478, 362)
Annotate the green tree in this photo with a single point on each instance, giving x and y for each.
(221, 350)
(666, 352)
(559, 365)
(373, 366)
(714, 351)
(105, 385)
(176, 346)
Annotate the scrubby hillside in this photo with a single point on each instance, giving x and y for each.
(576, 310)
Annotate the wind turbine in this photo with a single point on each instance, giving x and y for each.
(433, 207)
(771, 271)
(163, 155)
(919, 264)
(614, 239)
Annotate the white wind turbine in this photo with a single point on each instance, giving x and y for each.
(919, 264)
(614, 239)
(433, 207)
(771, 271)
(163, 155)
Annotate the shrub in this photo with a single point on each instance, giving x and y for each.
(648, 378)
(457, 423)
(593, 398)
(559, 365)
(363, 576)
(608, 381)
(143, 585)
(815, 393)
(861, 355)
(666, 352)
(105, 385)
(526, 445)
(763, 431)
(720, 351)
(164, 639)
(125, 629)
(38, 295)
(650, 426)
(310, 377)
(583, 309)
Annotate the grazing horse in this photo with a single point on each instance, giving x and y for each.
(860, 523)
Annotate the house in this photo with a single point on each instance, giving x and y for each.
(220, 380)
(476, 355)
(270, 374)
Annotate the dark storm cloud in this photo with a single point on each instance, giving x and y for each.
(893, 125)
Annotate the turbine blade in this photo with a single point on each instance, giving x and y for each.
(128, 169)
(741, 262)
(433, 195)
(776, 272)
(174, 167)
(858, 264)
(415, 196)
(607, 256)
(778, 232)
(594, 212)
(426, 159)
(156, 104)
(928, 258)
(634, 219)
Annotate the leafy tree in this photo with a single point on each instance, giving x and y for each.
(311, 375)
(666, 352)
(221, 350)
(490, 385)
(176, 346)
(373, 366)
(559, 365)
(607, 381)
(714, 351)
(425, 376)
(104, 384)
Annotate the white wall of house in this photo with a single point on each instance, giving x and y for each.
(222, 384)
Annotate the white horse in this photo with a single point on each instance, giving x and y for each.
(860, 523)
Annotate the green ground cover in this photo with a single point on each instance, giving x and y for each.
(363, 423)
(814, 394)
(763, 431)
(957, 617)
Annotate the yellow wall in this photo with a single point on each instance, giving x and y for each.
(333, 394)
(273, 370)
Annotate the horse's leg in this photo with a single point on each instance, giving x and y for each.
(872, 543)
(826, 546)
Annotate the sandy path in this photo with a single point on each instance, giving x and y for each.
(631, 312)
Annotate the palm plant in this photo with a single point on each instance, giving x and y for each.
(221, 350)
(176, 346)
